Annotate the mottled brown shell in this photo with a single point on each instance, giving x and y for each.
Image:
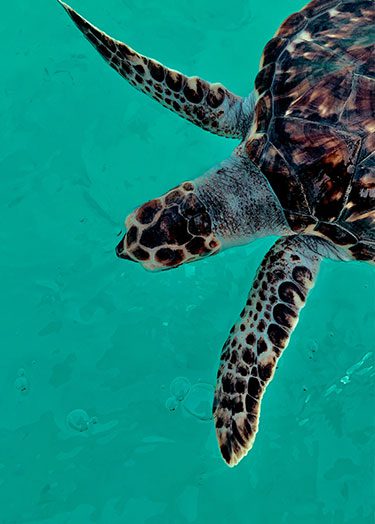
(313, 132)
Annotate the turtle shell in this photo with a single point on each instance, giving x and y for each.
(313, 131)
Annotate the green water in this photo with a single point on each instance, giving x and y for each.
(83, 330)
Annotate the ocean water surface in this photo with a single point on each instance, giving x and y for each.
(107, 371)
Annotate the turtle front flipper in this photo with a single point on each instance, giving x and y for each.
(256, 342)
(210, 106)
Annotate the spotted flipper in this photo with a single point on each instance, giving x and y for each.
(256, 342)
(210, 106)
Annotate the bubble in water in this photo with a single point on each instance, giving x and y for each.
(78, 420)
(199, 401)
(21, 383)
(180, 387)
(171, 404)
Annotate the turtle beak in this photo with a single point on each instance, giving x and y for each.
(121, 253)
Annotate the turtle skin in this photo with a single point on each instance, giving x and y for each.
(313, 130)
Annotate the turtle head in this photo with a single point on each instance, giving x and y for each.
(231, 204)
(169, 231)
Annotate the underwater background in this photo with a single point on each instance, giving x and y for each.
(107, 371)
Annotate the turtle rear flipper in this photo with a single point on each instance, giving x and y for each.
(210, 106)
(256, 342)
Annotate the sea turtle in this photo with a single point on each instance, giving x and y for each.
(304, 170)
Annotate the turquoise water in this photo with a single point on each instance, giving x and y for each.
(83, 330)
